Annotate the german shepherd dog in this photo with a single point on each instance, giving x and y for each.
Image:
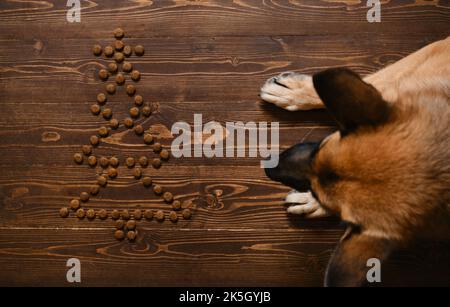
(386, 171)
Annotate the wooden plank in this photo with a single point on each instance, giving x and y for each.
(210, 18)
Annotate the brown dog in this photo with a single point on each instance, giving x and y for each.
(387, 170)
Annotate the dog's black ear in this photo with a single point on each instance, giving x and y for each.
(350, 100)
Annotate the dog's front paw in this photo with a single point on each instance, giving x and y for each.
(291, 91)
(305, 204)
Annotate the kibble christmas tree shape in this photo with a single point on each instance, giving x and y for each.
(120, 74)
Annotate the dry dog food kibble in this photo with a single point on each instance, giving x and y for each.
(97, 50)
(118, 45)
(109, 51)
(84, 196)
(94, 190)
(92, 161)
(102, 214)
(135, 75)
(137, 214)
(127, 51)
(130, 89)
(103, 131)
(148, 138)
(139, 50)
(138, 100)
(112, 173)
(101, 98)
(131, 225)
(156, 163)
(147, 181)
(130, 162)
(110, 88)
(131, 235)
(94, 140)
(107, 113)
(115, 214)
(159, 215)
(104, 162)
(114, 123)
(80, 213)
(134, 112)
(114, 161)
(127, 67)
(125, 214)
(168, 197)
(139, 130)
(120, 224)
(146, 111)
(95, 109)
(64, 212)
(164, 154)
(120, 79)
(173, 216)
(157, 189)
(102, 181)
(90, 214)
(128, 122)
(74, 204)
(119, 33)
(112, 67)
(137, 173)
(78, 158)
(148, 214)
(86, 149)
(187, 214)
(119, 57)
(176, 205)
(103, 74)
(143, 161)
(157, 147)
(119, 235)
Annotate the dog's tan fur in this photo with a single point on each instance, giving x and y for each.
(391, 180)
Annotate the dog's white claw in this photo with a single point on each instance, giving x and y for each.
(308, 205)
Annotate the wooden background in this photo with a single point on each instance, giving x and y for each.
(208, 57)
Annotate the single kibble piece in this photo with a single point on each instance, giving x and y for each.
(130, 89)
(120, 224)
(92, 161)
(104, 162)
(134, 112)
(127, 51)
(112, 173)
(137, 173)
(114, 123)
(110, 88)
(95, 109)
(176, 205)
(103, 74)
(173, 216)
(118, 45)
(130, 162)
(119, 57)
(64, 212)
(120, 79)
(164, 154)
(148, 138)
(159, 215)
(112, 67)
(94, 190)
(138, 100)
(119, 33)
(128, 122)
(131, 225)
(86, 149)
(84, 196)
(139, 50)
(187, 204)
(119, 235)
(125, 214)
(135, 75)
(102, 181)
(146, 111)
(94, 140)
(74, 204)
(137, 214)
(101, 98)
(131, 235)
(156, 163)
(103, 131)
(109, 51)
(139, 130)
(115, 214)
(80, 213)
(90, 214)
(157, 189)
(114, 161)
(97, 50)
(127, 67)
(187, 214)
(148, 214)
(107, 113)
(168, 197)
(147, 181)
(78, 158)
(157, 147)
(102, 214)
(143, 161)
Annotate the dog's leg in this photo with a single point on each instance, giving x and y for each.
(348, 266)
(291, 91)
(307, 205)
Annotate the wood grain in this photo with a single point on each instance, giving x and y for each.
(208, 57)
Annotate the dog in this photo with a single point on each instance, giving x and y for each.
(386, 170)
